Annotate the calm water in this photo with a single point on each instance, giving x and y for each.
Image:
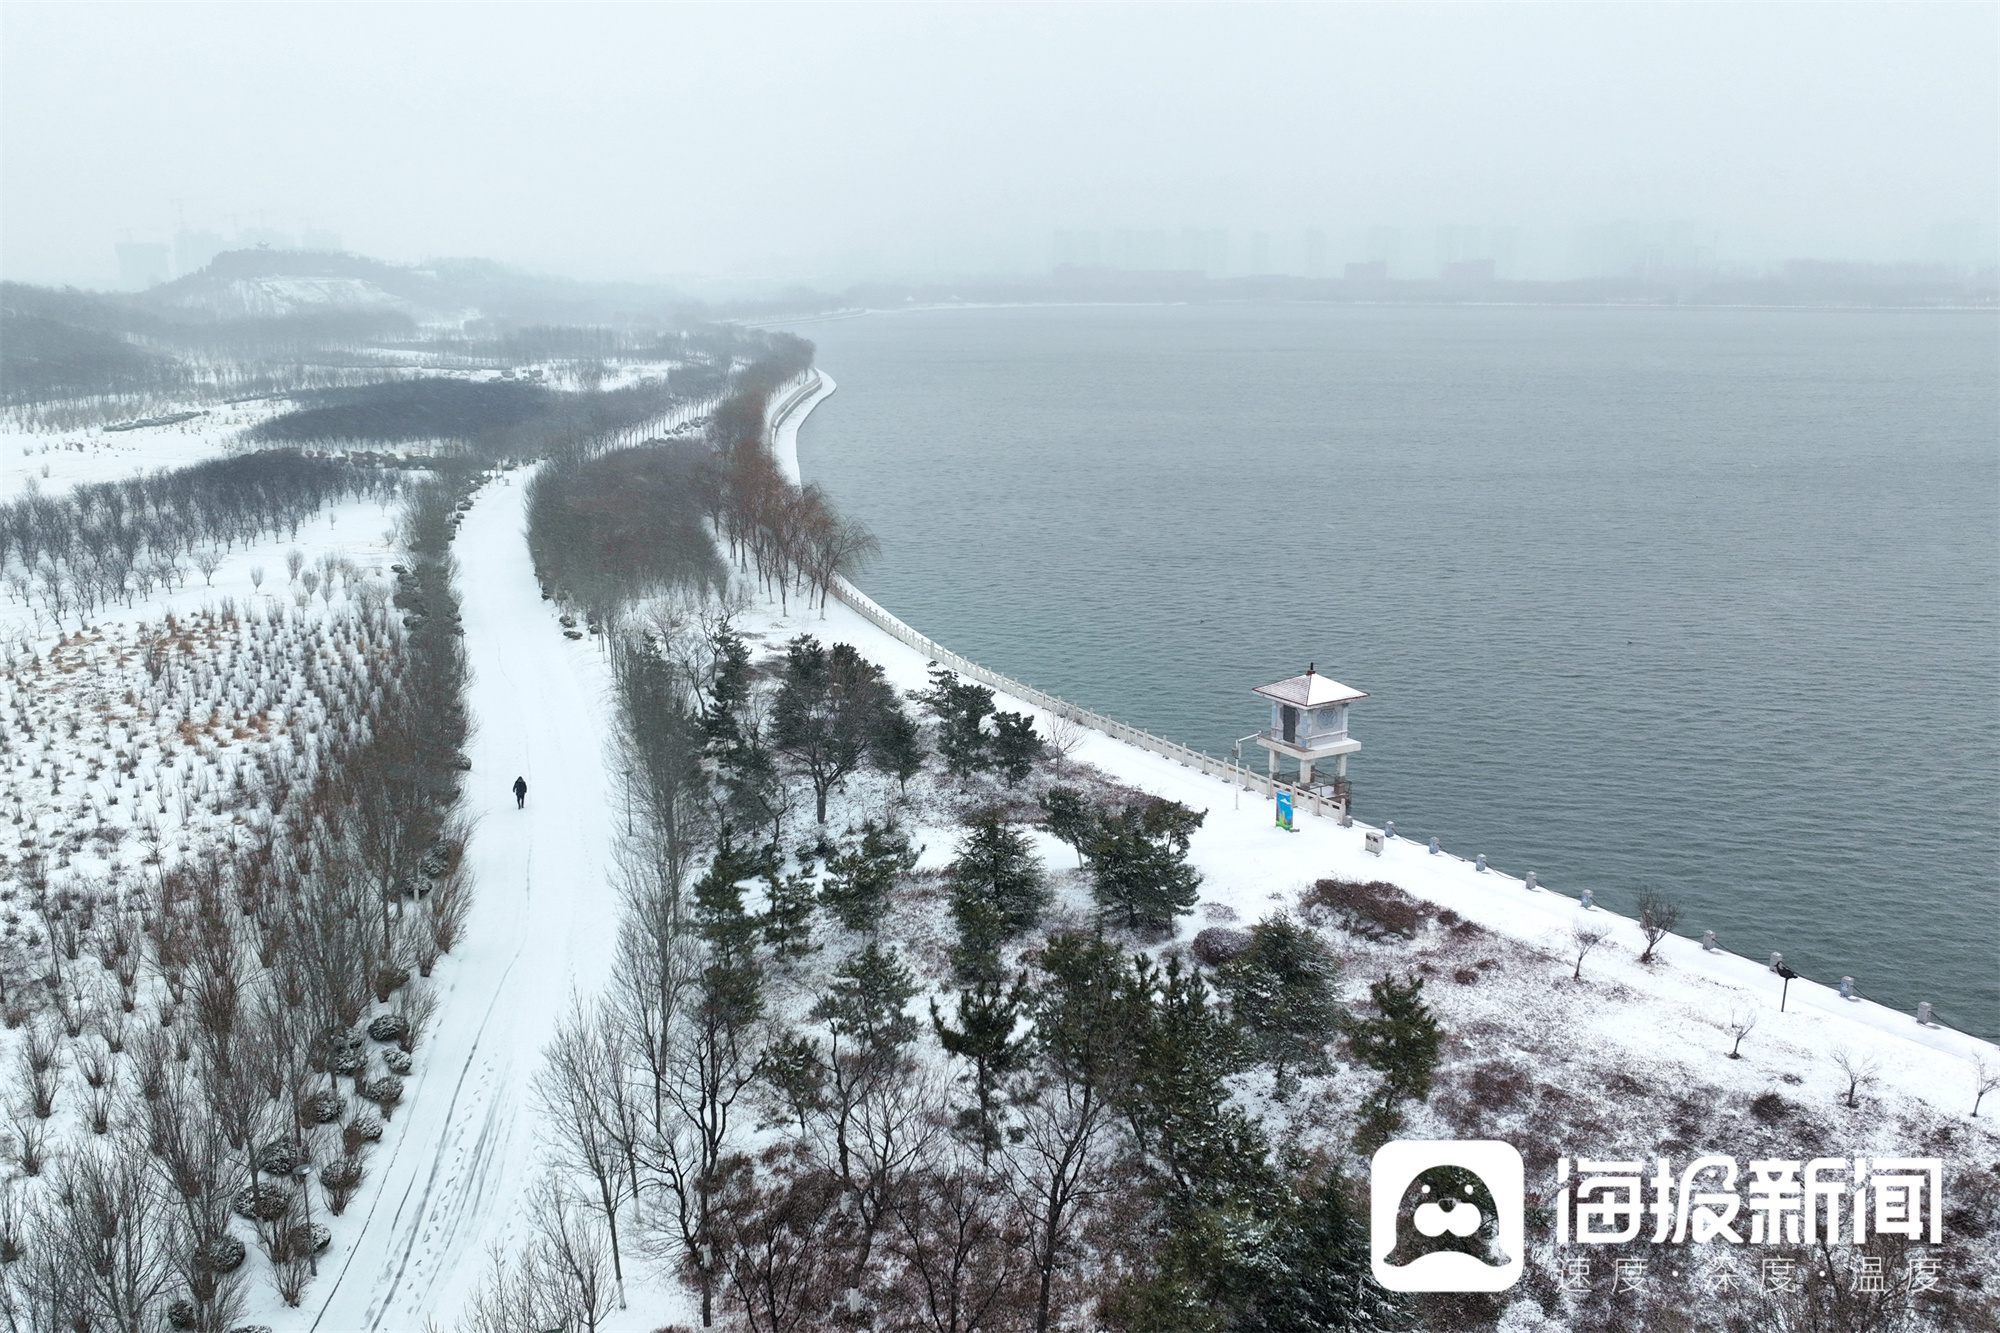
(1706, 601)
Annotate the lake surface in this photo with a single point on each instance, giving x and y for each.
(1706, 601)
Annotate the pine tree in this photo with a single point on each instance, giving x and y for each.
(1014, 747)
(960, 709)
(788, 906)
(1173, 1090)
(830, 706)
(858, 880)
(1401, 1041)
(1281, 989)
(997, 869)
(989, 1011)
(899, 747)
(1068, 817)
(867, 999)
(1138, 864)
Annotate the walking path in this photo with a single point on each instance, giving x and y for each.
(449, 1180)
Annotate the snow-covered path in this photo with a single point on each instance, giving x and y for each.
(449, 1179)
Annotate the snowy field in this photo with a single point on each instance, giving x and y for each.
(56, 460)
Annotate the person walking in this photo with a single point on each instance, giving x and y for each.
(520, 793)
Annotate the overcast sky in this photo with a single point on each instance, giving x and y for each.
(827, 141)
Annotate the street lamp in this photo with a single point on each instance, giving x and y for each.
(301, 1172)
(1784, 990)
(1238, 750)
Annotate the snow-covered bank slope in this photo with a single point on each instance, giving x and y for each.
(1674, 1011)
(450, 1184)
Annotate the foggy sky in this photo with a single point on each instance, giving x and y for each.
(828, 142)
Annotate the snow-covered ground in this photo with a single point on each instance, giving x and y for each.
(56, 460)
(448, 1183)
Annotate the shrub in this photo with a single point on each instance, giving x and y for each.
(1373, 910)
(280, 1157)
(385, 1092)
(224, 1254)
(1218, 944)
(340, 1178)
(388, 1027)
(266, 1201)
(1770, 1108)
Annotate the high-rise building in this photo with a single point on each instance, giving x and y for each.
(1315, 253)
(1383, 243)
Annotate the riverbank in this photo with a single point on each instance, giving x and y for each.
(1674, 1011)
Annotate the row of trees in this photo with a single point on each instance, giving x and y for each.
(217, 1013)
(115, 541)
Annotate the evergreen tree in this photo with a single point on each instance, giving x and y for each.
(728, 689)
(867, 999)
(1078, 1009)
(899, 747)
(788, 905)
(960, 709)
(732, 979)
(830, 706)
(1173, 1090)
(997, 875)
(1401, 1041)
(1282, 993)
(1067, 815)
(1014, 747)
(989, 1011)
(858, 879)
(1138, 864)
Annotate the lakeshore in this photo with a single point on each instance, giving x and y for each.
(1671, 1013)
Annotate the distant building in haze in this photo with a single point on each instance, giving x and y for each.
(194, 249)
(1315, 253)
(1372, 270)
(143, 264)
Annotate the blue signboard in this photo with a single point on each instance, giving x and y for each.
(1284, 809)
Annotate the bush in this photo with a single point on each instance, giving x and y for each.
(322, 1108)
(364, 1128)
(340, 1178)
(1373, 910)
(281, 1157)
(388, 1027)
(385, 1092)
(399, 1062)
(225, 1254)
(1218, 944)
(266, 1201)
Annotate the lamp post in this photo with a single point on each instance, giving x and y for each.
(1784, 990)
(1238, 750)
(303, 1172)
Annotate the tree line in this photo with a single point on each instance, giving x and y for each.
(117, 540)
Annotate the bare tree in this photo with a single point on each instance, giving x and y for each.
(1657, 918)
(580, 1090)
(1859, 1070)
(208, 559)
(1583, 937)
(1985, 1078)
(1740, 1026)
(1065, 736)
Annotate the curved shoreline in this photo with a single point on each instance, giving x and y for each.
(795, 404)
